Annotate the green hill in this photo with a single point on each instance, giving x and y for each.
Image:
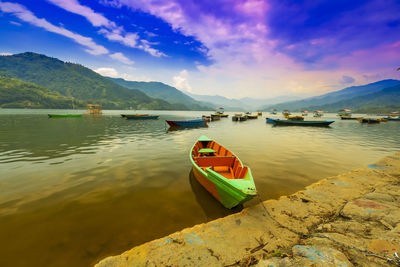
(334, 99)
(77, 81)
(15, 93)
(165, 92)
(383, 101)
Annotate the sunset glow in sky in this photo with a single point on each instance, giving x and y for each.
(235, 48)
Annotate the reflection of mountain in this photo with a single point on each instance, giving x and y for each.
(211, 207)
(35, 137)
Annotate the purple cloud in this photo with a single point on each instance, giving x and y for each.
(309, 31)
(347, 80)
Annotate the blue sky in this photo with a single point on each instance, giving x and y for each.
(237, 48)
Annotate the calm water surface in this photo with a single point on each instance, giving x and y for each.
(75, 190)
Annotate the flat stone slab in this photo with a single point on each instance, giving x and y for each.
(337, 221)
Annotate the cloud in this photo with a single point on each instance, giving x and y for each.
(108, 28)
(15, 23)
(94, 18)
(269, 48)
(25, 15)
(154, 52)
(108, 72)
(130, 39)
(113, 73)
(317, 29)
(121, 58)
(181, 82)
(5, 54)
(347, 79)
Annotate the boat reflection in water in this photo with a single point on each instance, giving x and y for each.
(180, 128)
(211, 207)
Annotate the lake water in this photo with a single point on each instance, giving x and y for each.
(75, 190)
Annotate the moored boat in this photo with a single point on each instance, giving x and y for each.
(207, 118)
(236, 117)
(187, 123)
(139, 116)
(369, 120)
(348, 118)
(251, 116)
(298, 123)
(318, 113)
(221, 173)
(345, 114)
(215, 117)
(392, 118)
(273, 111)
(295, 118)
(286, 113)
(220, 111)
(64, 115)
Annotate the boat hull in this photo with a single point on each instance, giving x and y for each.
(349, 118)
(392, 119)
(187, 123)
(252, 117)
(230, 190)
(298, 123)
(215, 117)
(369, 120)
(140, 117)
(64, 115)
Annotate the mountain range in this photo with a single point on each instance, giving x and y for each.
(381, 96)
(163, 91)
(15, 93)
(77, 82)
(242, 104)
(38, 81)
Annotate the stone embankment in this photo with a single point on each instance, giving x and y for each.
(349, 220)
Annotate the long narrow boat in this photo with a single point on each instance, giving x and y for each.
(221, 173)
(187, 123)
(298, 123)
(215, 117)
(64, 115)
(348, 118)
(207, 118)
(250, 116)
(369, 120)
(139, 116)
(392, 119)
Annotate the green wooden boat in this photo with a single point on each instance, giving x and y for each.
(221, 173)
(64, 115)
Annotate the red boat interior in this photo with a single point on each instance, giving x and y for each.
(210, 154)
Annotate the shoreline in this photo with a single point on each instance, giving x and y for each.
(345, 220)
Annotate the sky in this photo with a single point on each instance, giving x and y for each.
(233, 48)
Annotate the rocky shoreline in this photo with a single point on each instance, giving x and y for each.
(347, 220)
